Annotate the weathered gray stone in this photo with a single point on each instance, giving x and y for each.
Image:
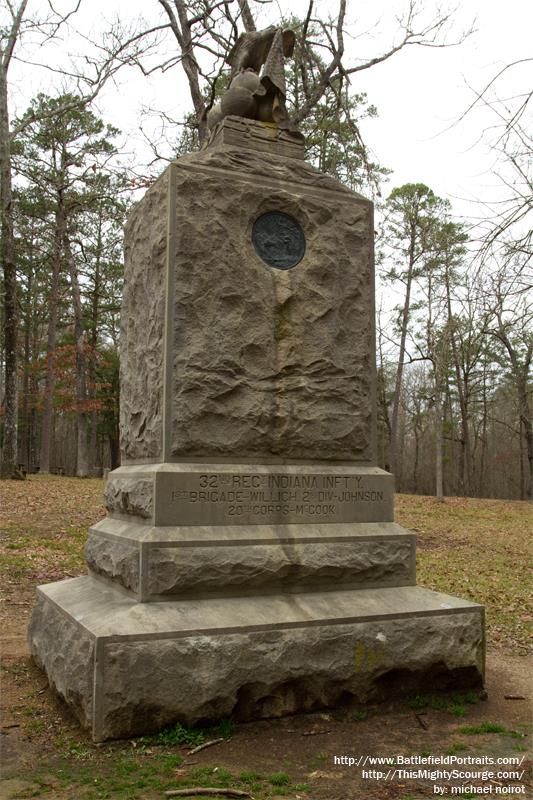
(130, 496)
(64, 649)
(278, 567)
(267, 656)
(114, 558)
(237, 494)
(267, 362)
(268, 139)
(249, 509)
(142, 326)
(225, 560)
(250, 494)
(261, 362)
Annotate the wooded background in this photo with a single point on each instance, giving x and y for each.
(454, 335)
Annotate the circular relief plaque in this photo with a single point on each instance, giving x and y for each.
(278, 239)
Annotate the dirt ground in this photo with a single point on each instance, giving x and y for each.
(45, 753)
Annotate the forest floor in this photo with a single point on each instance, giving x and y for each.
(479, 549)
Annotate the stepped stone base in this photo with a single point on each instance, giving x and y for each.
(158, 563)
(194, 529)
(128, 668)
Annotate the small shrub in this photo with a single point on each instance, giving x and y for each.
(179, 734)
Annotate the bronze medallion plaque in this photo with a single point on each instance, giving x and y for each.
(278, 239)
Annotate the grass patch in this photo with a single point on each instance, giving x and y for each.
(456, 704)
(453, 535)
(318, 760)
(134, 776)
(484, 727)
(250, 777)
(279, 779)
(457, 747)
(224, 729)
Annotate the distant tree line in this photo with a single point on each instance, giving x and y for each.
(69, 203)
(454, 368)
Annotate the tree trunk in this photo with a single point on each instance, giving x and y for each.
(520, 374)
(8, 467)
(525, 419)
(439, 477)
(53, 301)
(483, 457)
(182, 31)
(416, 458)
(401, 357)
(465, 451)
(95, 454)
(34, 390)
(382, 402)
(82, 460)
(521, 439)
(25, 438)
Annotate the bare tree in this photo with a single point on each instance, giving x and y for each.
(509, 320)
(204, 32)
(8, 41)
(411, 214)
(505, 229)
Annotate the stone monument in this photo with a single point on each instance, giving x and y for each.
(249, 563)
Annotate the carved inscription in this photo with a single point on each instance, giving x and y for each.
(240, 498)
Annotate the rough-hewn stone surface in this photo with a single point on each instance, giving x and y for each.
(252, 657)
(190, 570)
(232, 559)
(247, 157)
(65, 651)
(142, 324)
(269, 362)
(262, 362)
(269, 139)
(115, 559)
(271, 673)
(130, 496)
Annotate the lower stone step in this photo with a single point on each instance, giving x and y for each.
(129, 668)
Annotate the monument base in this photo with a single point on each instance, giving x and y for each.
(129, 668)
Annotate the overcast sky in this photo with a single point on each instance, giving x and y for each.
(420, 92)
